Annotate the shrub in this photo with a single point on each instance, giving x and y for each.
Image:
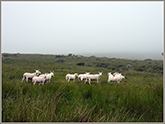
(81, 64)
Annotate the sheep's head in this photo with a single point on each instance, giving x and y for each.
(45, 75)
(87, 72)
(123, 77)
(109, 74)
(100, 73)
(76, 74)
(38, 72)
(52, 74)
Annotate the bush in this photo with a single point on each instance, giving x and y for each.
(81, 64)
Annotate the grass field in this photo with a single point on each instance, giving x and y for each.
(138, 98)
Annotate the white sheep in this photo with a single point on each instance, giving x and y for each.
(116, 73)
(94, 77)
(83, 76)
(48, 76)
(39, 80)
(71, 77)
(30, 75)
(117, 78)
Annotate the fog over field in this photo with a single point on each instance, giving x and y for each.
(131, 55)
(132, 30)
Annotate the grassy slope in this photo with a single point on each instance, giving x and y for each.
(137, 98)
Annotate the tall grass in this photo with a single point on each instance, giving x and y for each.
(73, 103)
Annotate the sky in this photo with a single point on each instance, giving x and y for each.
(81, 27)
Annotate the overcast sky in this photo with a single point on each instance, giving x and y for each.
(82, 27)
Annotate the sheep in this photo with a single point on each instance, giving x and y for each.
(118, 77)
(71, 77)
(116, 73)
(82, 76)
(94, 77)
(48, 76)
(42, 75)
(30, 75)
(39, 80)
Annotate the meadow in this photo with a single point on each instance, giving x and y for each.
(138, 98)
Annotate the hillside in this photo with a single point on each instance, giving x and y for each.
(138, 98)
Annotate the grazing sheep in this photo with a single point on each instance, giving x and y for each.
(39, 80)
(118, 77)
(116, 73)
(94, 77)
(71, 77)
(79, 76)
(42, 75)
(48, 76)
(83, 76)
(30, 75)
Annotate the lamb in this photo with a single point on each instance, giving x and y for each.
(116, 73)
(118, 77)
(83, 76)
(94, 77)
(30, 75)
(39, 80)
(48, 76)
(71, 77)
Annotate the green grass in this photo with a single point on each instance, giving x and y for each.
(138, 98)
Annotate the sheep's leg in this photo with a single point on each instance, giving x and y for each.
(27, 79)
(23, 78)
(90, 81)
(42, 82)
(108, 79)
(34, 82)
(85, 81)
